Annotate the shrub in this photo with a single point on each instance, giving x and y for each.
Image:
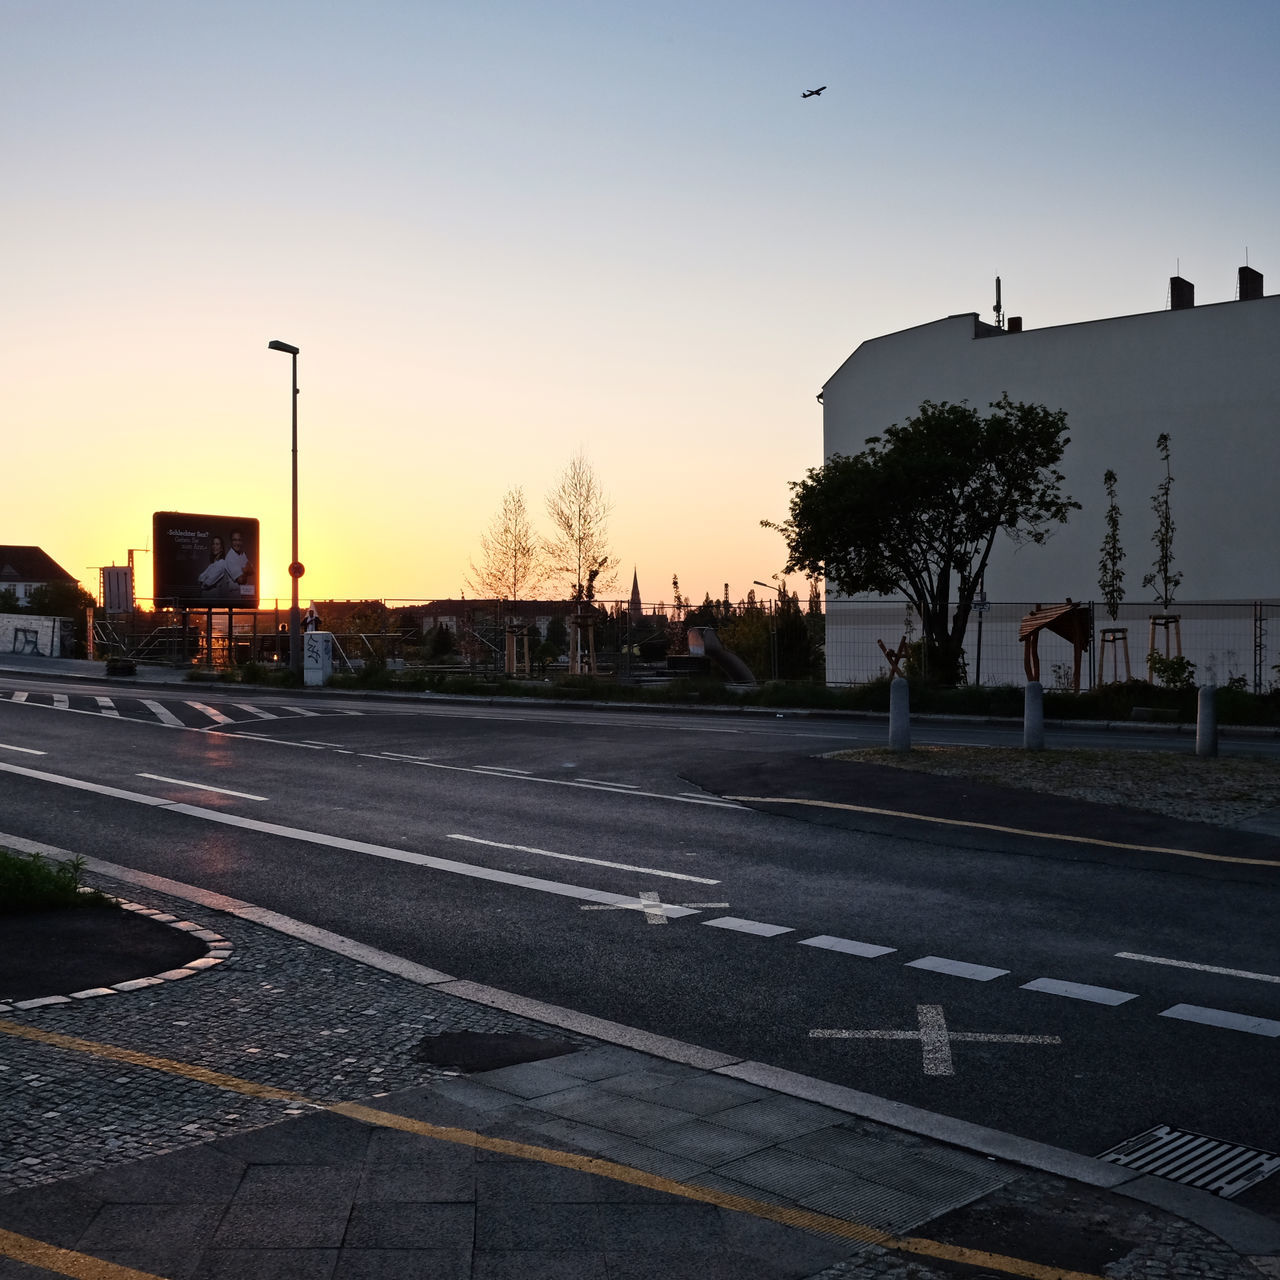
(33, 883)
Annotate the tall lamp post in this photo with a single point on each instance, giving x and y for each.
(295, 566)
(773, 625)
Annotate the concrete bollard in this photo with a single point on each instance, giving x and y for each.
(899, 715)
(1033, 717)
(1206, 722)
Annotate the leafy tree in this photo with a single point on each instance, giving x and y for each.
(9, 601)
(919, 509)
(1110, 574)
(579, 544)
(1162, 575)
(59, 600)
(511, 559)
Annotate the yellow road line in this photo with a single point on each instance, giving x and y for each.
(99, 1050)
(804, 1219)
(1011, 831)
(65, 1262)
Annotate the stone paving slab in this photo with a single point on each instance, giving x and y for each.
(182, 1179)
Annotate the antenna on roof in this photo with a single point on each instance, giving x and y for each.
(998, 309)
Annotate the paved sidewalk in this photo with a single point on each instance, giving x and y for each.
(292, 1111)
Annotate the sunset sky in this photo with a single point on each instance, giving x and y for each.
(501, 232)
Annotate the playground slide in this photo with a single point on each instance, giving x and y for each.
(703, 641)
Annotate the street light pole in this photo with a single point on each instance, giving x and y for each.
(295, 566)
(773, 625)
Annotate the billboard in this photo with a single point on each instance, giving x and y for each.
(205, 560)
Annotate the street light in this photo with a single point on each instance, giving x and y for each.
(295, 567)
(773, 625)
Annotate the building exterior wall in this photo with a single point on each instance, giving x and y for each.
(1209, 376)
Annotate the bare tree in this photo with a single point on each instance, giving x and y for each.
(1163, 576)
(1111, 555)
(578, 550)
(511, 560)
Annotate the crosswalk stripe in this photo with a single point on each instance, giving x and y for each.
(256, 711)
(18, 697)
(61, 701)
(216, 716)
(302, 711)
(108, 707)
(162, 713)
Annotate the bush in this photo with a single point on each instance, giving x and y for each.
(33, 883)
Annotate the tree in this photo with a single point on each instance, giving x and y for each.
(1110, 574)
(1162, 575)
(511, 561)
(9, 601)
(919, 509)
(579, 544)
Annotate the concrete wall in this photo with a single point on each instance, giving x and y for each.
(26, 633)
(1209, 376)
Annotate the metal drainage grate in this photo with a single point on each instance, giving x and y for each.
(1224, 1168)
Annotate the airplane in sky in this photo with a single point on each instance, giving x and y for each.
(812, 93)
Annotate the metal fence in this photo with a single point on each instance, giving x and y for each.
(1223, 639)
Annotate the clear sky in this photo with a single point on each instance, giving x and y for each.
(500, 232)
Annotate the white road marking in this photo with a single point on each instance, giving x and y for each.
(846, 945)
(595, 862)
(280, 742)
(957, 968)
(302, 711)
(655, 910)
(256, 711)
(339, 842)
(312, 742)
(162, 713)
(604, 782)
(61, 702)
(108, 706)
(1202, 968)
(216, 716)
(1079, 991)
(551, 782)
(749, 926)
(201, 786)
(935, 1038)
(18, 697)
(28, 751)
(502, 768)
(1223, 1018)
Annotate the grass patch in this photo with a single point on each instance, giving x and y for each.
(30, 882)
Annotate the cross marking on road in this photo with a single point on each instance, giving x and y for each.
(935, 1038)
(652, 906)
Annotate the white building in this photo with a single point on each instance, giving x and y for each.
(1209, 376)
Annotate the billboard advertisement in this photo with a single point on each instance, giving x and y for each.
(205, 560)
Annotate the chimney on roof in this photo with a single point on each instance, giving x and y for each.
(1250, 284)
(1015, 324)
(1182, 294)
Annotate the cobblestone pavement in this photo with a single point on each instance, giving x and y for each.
(287, 1014)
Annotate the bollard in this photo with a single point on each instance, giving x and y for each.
(1033, 717)
(1206, 722)
(899, 715)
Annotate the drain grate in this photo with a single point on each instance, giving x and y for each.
(1224, 1168)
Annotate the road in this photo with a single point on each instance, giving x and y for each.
(593, 859)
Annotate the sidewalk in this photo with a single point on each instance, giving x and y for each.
(305, 1107)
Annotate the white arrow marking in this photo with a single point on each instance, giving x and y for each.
(935, 1038)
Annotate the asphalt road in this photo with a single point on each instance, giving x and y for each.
(589, 859)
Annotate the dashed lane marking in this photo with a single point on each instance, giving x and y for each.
(804, 1219)
(957, 968)
(756, 927)
(1079, 991)
(595, 862)
(1223, 1018)
(1011, 831)
(1201, 968)
(655, 910)
(202, 786)
(28, 751)
(847, 945)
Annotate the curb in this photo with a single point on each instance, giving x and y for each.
(1242, 1229)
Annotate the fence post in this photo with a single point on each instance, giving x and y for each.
(899, 715)
(1206, 722)
(1033, 717)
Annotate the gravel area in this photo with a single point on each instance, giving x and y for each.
(1219, 789)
